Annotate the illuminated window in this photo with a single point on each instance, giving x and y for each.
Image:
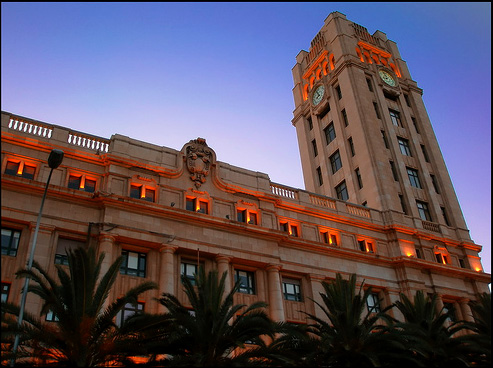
(133, 264)
(404, 146)
(142, 192)
(358, 177)
(80, 182)
(373, 303)
(189, 270)
(413, 177)
(5, 291)
(329, 238)
(344, 117)
(366, 246)
(341, 191)
(247, 281)
(395, 117)
(128, 310)
(319, 175)
(197, 205)
(10, 242)
(51, 317)
(335, 161)
(247, 216)
(424, 212)
(351, 145)
(441, 258)
(19, 168)
(291, 289)
(330, 133)
(290, 228)
(63, 247)
(315, 150)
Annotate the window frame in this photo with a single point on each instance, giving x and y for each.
(395, 117)
(413, 176)
(250, 288)
(330, 132)
(358, 178)
(320, 177)
(335, 161)
(367, 246)
(341, 190)
(404, 146)
(140, 271)
(6, 286)
(296, 295)
(136, 308)
(82, 183)
(424, 211)
(315, 149)
(20, 169)
(375, 301)
(143, 191)
(184, 265)
(11, 249)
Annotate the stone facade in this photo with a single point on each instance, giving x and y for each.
(169, 210)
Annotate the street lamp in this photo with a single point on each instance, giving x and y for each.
(54, 160)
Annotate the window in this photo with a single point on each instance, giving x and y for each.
(51, 317)
(344, 117)
(414, 178)
(19, 168)
(247, 216)
(403, 204)
(341, 191)
(394, 171)
(358, 177)
(339, 93)
(418, 253)
(324, 112)
(319, 175)
(80, 182)
(63, 247)
(329, 238)
(10, 242)
(404, 146)
(315, 150)
(425, 154)
(441, 258)
(142, 192)
(330, 133)
(291, 289)
(377, 111)
(423, 211)
(406, 97)
(384, 137)
(189, 270)
(370, 85)
(335, 162)
(351, 145)
(247, 281)
(133, 264)
(435, 183)
(290, 228)
(310, 123)
(395, 117)
(197, 205)
(445, 217)
(462, 263)
(415, 123)
(366, 246)
(5, 291)
(128, 310)
(373, 303)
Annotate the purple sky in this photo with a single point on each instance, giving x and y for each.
(166, 73)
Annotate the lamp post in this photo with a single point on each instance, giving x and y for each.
(54, 160)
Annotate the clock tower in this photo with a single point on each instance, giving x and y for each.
(363, 131)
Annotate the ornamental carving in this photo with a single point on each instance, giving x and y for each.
(199, 157)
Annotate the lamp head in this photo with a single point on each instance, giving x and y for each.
(55, 158)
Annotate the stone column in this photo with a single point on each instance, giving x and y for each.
(106, 243)
(317, 288)
(166, 282)
(276, 304)
(223, 266)
(466, 310)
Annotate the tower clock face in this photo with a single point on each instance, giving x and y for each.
(318, 95)
(387, 78)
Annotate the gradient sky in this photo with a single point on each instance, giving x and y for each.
(166, 73)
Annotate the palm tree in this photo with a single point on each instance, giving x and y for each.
(430, 333)
(85, 334)
(215, 332)
(352, 336)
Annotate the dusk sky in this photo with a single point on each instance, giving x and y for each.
(166, 73)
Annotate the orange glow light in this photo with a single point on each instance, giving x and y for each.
(82, 182)
(21, 168)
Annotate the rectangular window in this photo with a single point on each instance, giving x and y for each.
(418, 253)
(247, 281)
(294, 230)
(395, 117)
(404, 146)
(462, 263)
(197, 205)
(425, 154)
(51, 317)
(351, 145)
(344, 117)
(64, 246)
(284, 226)
(324, 112)
(415, 123)
(246, 216)
(203, 207)
(315, 150)
(10, 242)
(403, 204)
(80, 182)
(406, 97)
(377, 111)
(310, 123)
(366, 246)
(445, 217)
(370, 85)
(424, 212)
(384, 137)
(5, 291)
(373, 303)
(133, 264)
(394, 171)
(142, 192)
(339, 93)
(441, 258)
(252, 218)
(341, 191)
(291, 289)
(435, 183)
(330, 133)
(414, 178)
(19, 168)
(190, 205)
(189, 270)
(128, 310)
(358, 177)
(329, 238)
(449, 307)
(335, 162)
(319, 175)
(241, 215)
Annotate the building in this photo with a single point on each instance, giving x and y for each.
(379, 200)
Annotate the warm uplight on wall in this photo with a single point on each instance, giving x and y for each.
(478, 269)
(21, 168)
